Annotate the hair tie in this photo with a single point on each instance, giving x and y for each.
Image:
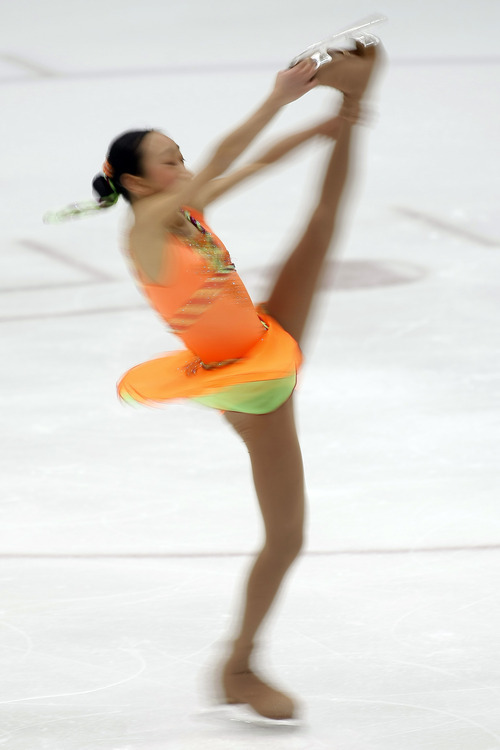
(108, 170)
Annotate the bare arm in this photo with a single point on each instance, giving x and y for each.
(290, 85)
(218, 187)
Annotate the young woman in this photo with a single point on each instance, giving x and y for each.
(239, 359)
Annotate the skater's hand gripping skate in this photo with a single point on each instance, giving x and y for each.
(293, 83)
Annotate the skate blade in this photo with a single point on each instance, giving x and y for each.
(242, 714)
(319, 50)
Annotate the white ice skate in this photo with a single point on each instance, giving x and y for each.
(358, 33)
(243, 714)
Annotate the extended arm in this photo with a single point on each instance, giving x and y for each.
(290, 85)
(219, 186)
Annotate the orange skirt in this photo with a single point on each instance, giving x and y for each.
(257, 383)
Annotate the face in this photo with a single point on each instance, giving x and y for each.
(162, 164)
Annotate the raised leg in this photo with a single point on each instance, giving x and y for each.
(276, 460)
(293, 293)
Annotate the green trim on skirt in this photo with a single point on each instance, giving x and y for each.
(259, 397)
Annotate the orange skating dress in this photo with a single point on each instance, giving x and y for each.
(237, 357)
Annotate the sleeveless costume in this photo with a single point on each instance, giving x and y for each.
(238, 358)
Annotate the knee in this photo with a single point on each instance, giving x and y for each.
(286, 544)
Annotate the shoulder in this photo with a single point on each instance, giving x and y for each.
(147, 242)
(162, 211)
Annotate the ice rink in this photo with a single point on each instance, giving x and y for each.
(126, 534)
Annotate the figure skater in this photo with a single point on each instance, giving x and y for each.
(239, 359)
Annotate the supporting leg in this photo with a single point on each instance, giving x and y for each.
(275, 454)
(277, 468)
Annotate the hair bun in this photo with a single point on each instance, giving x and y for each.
(102, 188)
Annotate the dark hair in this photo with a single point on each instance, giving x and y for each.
(124, 157)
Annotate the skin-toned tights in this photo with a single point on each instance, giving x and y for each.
(271, 439)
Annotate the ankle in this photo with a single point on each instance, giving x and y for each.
(239, 660)
(350, 109)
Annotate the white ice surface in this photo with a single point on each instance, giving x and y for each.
(125, 533)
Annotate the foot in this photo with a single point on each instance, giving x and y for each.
(246, 687)
(350, 71)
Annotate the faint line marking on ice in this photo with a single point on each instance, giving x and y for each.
(72, 313)
(420, 708)
(23, 633)
(125, 597)
(215, 555)
(476, 60)
(348, 275)
(45, 722)
(40, 71)
(406, 615)
(473, 684)
(438, 725)
(186, 657)
(44, 287)
(86, 692)
(339, 654)
(94, 276)
(226, 67)
(66, 260)
(447, 690)
(447, 226)
(476, 601)
(339, 276)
